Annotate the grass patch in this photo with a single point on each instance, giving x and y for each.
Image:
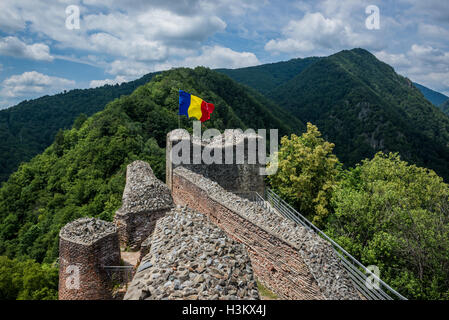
(265, 293)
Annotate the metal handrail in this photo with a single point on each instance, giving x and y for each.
(351, 264)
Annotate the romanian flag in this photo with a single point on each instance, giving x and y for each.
(195, 107)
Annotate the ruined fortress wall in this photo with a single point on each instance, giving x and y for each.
(134, 228)
(290, 260)
(238, 178)
(290, 279)
(192, 258)
(81, 272)
(145, 200)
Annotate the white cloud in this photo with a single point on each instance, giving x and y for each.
(424, 64)
(221, 57)
(437, 10)
(32, 83)
(136, 30)
(433, 31)
(315, 32)
(134, 47)
(12, 46)
(10, 18)
(183, 7)
(397, 60)
(100, 83)
(429, 54)
(128, 68)
(215, 57)
(129, 38)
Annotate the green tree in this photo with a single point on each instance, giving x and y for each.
(83, 172)
(307, 172)
(79, 121)
(27, 280)
(396, 216)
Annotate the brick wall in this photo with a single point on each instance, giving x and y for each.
(94, 282)
(134, 228)
(239, 178)
(276, 263)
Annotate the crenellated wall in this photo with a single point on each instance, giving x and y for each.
(145, 200)
(290, 260)
(241, 175)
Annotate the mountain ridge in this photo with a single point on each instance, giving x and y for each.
(445, 107)
(363, 106)
(31, 126)
(437, 98)
(82, 173)
(25, 136)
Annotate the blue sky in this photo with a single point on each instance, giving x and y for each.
(122, 40)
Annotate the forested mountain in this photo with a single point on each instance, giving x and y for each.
(361, 104)
(358, 102)
(83, 172)
(445, 107)
(29, 127)
(433, 96)
(266, 77)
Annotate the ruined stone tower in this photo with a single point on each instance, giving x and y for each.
(240, 170)
(145, 200)
(87, 245)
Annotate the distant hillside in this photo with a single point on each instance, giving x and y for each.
(445, 107)
(267, 77)
(83, 172)
(29, 127)
(433, 96)
(363, 106)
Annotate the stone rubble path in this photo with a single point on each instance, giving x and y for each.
(191, 258)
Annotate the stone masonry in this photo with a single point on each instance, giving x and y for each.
(293, 262)
(209, 247)
(237, 177)
(145, 200)
(87, 245)
(191, 258)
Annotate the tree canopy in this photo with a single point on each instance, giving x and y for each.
(396, 216)
(307, 171)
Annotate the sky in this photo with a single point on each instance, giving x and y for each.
(45, 49)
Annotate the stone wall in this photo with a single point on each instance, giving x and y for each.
(145, 200)
(191, 258)
(238, 178)
(87, 245)
(293, 262)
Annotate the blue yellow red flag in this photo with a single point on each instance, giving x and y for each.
(194, 107)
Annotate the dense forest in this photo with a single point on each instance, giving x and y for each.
(83, 172)
(31, 126)
(445, 107)
(372, 203)
(266, 77)
(384, 211)
(363, 106)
